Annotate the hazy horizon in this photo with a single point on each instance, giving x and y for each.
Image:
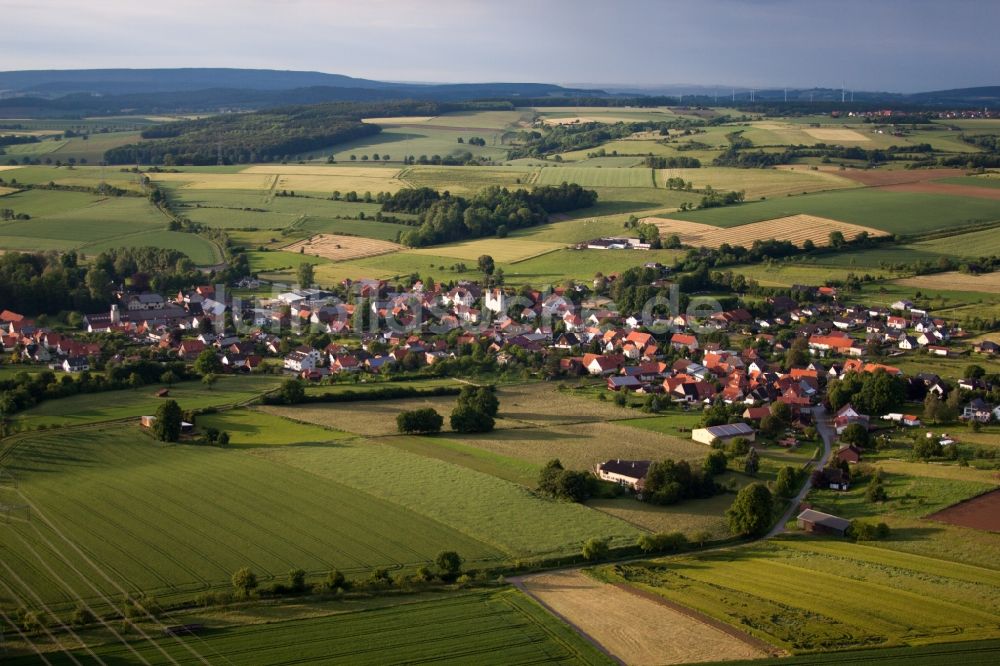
(881, 45)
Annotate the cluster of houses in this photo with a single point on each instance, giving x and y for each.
(40, 345)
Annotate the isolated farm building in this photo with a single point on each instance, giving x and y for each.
(849, 454)
(631, 473)
(148, 421)
(723, 433)
(848, 415)
(836, 479)
(817, 522)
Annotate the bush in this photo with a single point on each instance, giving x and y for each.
(865, 531)
(716, 463)
(82, 616)
(420, 421)
(335, 580)
(596, 549)
(662, 542)
(468, 419)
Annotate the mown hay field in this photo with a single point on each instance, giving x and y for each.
(757, 183)
(794, 228)
(342, 248)
(595, 176)
(954, 281)
(635, 629)
(487, 628)
(175, 520)
(807, 594)
(502, 250)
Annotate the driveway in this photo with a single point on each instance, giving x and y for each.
(826, 433)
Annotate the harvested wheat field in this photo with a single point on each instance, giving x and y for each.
(7, 190)
(955, 281)
(635, 629)
(342, 248)
(314, 178)
(794, 228)
(399, 120)
(9, 167)
(834, 134)
(215, 181)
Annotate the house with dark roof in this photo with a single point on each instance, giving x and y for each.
(630, 473)
(817, 522)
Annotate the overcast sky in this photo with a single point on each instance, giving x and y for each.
(897, 45)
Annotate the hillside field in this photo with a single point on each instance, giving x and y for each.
(500, 627)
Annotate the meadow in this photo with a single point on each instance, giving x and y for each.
(498, 627)
(132, 403)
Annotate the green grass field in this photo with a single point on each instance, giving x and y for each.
(894, 212)
(95, 407)
(502, 627)
(249, 428)
(199, 249)
(174, 520)
(973, 653)
(806, 594)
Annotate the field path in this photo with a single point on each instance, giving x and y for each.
(636, 628)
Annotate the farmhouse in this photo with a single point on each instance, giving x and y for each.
(723, 433)
(630, 473)
(817, 522)
(849, 454)
(846, 416)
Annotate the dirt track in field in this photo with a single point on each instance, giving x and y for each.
(979, 513)
(634, 627)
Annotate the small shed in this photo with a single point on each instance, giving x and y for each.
(817, 522)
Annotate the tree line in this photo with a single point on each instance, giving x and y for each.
(492, 211)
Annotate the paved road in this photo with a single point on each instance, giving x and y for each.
(826, 433)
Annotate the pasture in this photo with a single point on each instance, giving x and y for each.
(249, 428)
(903, 213)
(497, 627)
(806, 594)
(596, 176)
(113, 510)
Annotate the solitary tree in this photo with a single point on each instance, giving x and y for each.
(750, 513)
(449, 562)
(486, 264)
(292, 392)
(305, 274)
(784, 485)
(420, 421)
(167, 427)
(209, 380)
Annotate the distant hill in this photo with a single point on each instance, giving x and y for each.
(89, 91)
